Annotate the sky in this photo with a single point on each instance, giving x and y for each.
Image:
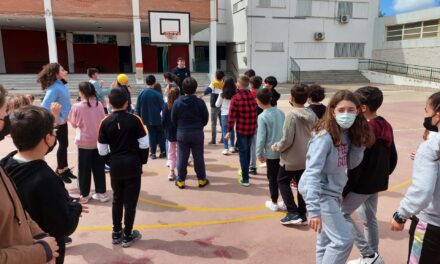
(390, 7)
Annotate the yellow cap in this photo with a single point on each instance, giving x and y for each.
(122, 79)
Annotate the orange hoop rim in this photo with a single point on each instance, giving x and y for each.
(171, 34)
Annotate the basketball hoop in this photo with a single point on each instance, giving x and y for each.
(171, 34)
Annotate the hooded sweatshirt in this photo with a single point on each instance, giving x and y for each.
(189, 113)
(379, 162)
(297, 131)
(423, 196)
(17, 230)
(326, 165)
(44, 196)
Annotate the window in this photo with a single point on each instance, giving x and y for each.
(106, 39)
(304, 8)
(83, 39)
(271, 4)
(345, 9)
(269, 46)
(417, 30)
(349, 50)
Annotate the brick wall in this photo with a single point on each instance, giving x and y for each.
(12, 7)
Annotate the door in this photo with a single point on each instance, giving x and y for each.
(125, 65)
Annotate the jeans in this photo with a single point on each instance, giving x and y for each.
(424, 242)
(253, 163)
(90, 161)
(63, 144)
(190, 141)
(366, 206)
(273, 166)
(244, 152)
(335, 242)
(172, 154)
(224, 123)
(156, 135)
(284, 180)
(215, 114)
(125, 198)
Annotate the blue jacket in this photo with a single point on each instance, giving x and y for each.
(169, 127)
(58, 93)
(149, 105)
(189, 113)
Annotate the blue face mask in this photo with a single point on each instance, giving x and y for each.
(345, 120)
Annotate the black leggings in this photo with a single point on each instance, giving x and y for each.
(125, 196)
(63, 143)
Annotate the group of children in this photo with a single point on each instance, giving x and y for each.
(314, 147)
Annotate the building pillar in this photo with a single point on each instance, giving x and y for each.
(191, 54)
(50, 31)
(2, 55)
(137, 42)
(213, 40)
(70, 52)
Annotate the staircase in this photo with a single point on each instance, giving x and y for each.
(332, 77)
(27, 83)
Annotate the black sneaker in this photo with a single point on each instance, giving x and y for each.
(65, 178)
(153, 156)
(291, 219)
(68, 173)
(304, 220)
(68, 241)
(116, 237)
(253, 171)
(211, 143)
(127, 241)
(162, 155)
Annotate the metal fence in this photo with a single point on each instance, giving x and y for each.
(412, 71)
(295, 71)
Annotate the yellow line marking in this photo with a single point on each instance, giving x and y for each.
(400, 185)
(189, 224)
(211, 209)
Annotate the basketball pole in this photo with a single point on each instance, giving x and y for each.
(137, 42)
(213, 40)
(50, 32)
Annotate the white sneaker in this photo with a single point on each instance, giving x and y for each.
(171, 176)
(102, 197)
(282, 206)
(225, 152)
(272, 206)
(231, 150)
(84, 200)
(377, 259)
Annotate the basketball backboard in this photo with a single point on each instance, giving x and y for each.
(169, 27)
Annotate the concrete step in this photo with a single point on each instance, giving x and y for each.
(333, 77)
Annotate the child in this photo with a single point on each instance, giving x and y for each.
(215, 88)
(149, 106)
(31, 98)
(337, 145)
(124, 144)
(171, 80)
(255, 83)
(270, 127)
(223, 102)
(86, 116)
(122, 83)
(243, 114)
(170, 131)
(101, 93)
(297, 131)
(370, 177)
(249, 73)
(190, 115)
(41, 192)
(270, 83)
(316, 96)
(421, 203)
(157, 87)
(16, 102)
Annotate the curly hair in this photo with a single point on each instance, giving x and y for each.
(359, 133)
(48, 75)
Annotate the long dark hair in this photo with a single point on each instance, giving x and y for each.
(359, 133)
(48, 75)
(172, 97)
(88, 90)
(229, 89)
(172, 77)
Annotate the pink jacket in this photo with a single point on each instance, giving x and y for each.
(86, 120)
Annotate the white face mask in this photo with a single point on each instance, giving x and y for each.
(345, 120)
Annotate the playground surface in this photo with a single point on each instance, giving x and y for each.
(228, 223)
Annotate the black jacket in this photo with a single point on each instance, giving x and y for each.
(44, 196)
(379, 162)
(168, 126)
(189, 113)
(275, 97)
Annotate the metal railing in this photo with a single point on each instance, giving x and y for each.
(295, 71)
(407, 70)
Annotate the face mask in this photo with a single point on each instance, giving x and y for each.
(345, 120)
(6, 128)
(429, 126)
(291, 103)
(49, 150)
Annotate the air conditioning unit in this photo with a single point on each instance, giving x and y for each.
(344, 19)
(319, 36)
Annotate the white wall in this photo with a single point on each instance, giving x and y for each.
(383, 78)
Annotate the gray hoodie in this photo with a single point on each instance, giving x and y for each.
(423, 196)
(326, 167)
